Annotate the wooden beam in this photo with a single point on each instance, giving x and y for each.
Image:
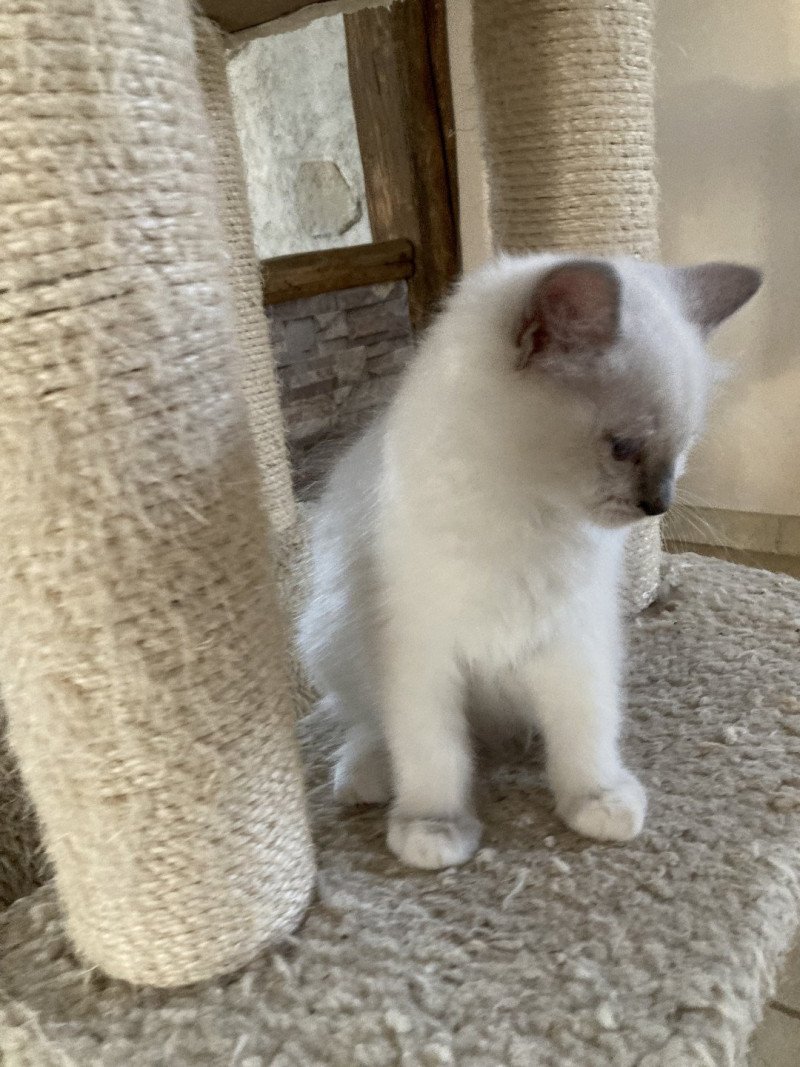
(235, 15)
(403, 109)
(310, 273)
(439, 56)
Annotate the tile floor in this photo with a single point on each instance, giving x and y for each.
(776, 1043)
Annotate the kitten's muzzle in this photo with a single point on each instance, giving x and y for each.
(656, 493)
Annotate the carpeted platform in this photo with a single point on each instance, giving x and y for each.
(547, 950)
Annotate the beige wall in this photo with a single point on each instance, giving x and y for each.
(728, 119)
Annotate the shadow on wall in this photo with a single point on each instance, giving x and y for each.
(736, 148)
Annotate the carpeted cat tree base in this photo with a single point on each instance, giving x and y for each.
(548, 949)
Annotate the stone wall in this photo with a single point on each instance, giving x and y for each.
(338, 354)
(294, 116)
(338, 357)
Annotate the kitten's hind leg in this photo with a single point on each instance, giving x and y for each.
(361, 772)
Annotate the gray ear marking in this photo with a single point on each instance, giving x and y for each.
(712, 292)
(575, 308)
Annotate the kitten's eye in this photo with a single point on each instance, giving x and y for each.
(626, 449)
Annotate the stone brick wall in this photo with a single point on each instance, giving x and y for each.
(338, 357)
(305, 180)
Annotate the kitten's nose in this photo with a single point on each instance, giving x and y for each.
(656, 506)
(657, 497)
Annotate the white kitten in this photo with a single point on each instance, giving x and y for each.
(467, 549)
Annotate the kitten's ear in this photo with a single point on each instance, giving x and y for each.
(575, 309)
(712, 292)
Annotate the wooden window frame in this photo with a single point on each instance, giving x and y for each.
(402, 100)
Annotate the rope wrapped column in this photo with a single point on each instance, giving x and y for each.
(143, 650)
(567, 92)
(259, 378)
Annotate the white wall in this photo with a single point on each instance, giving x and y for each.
(728, 121)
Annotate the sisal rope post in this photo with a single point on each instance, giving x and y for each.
(23, 864)
(143, 652)
(567, 95)
(259, 378)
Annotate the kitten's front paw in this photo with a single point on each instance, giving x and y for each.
(433, 843)
(615, 814)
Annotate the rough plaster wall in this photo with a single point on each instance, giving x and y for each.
(292, 105)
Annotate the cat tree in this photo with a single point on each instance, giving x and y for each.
(143, 653)
(148, 528)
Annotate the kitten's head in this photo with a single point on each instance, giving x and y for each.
(609, 359)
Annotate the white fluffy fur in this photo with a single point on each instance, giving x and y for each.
(467, 555)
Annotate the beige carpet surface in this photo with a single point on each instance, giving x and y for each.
(547, 950)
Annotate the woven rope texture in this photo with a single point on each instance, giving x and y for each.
(142, 651)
